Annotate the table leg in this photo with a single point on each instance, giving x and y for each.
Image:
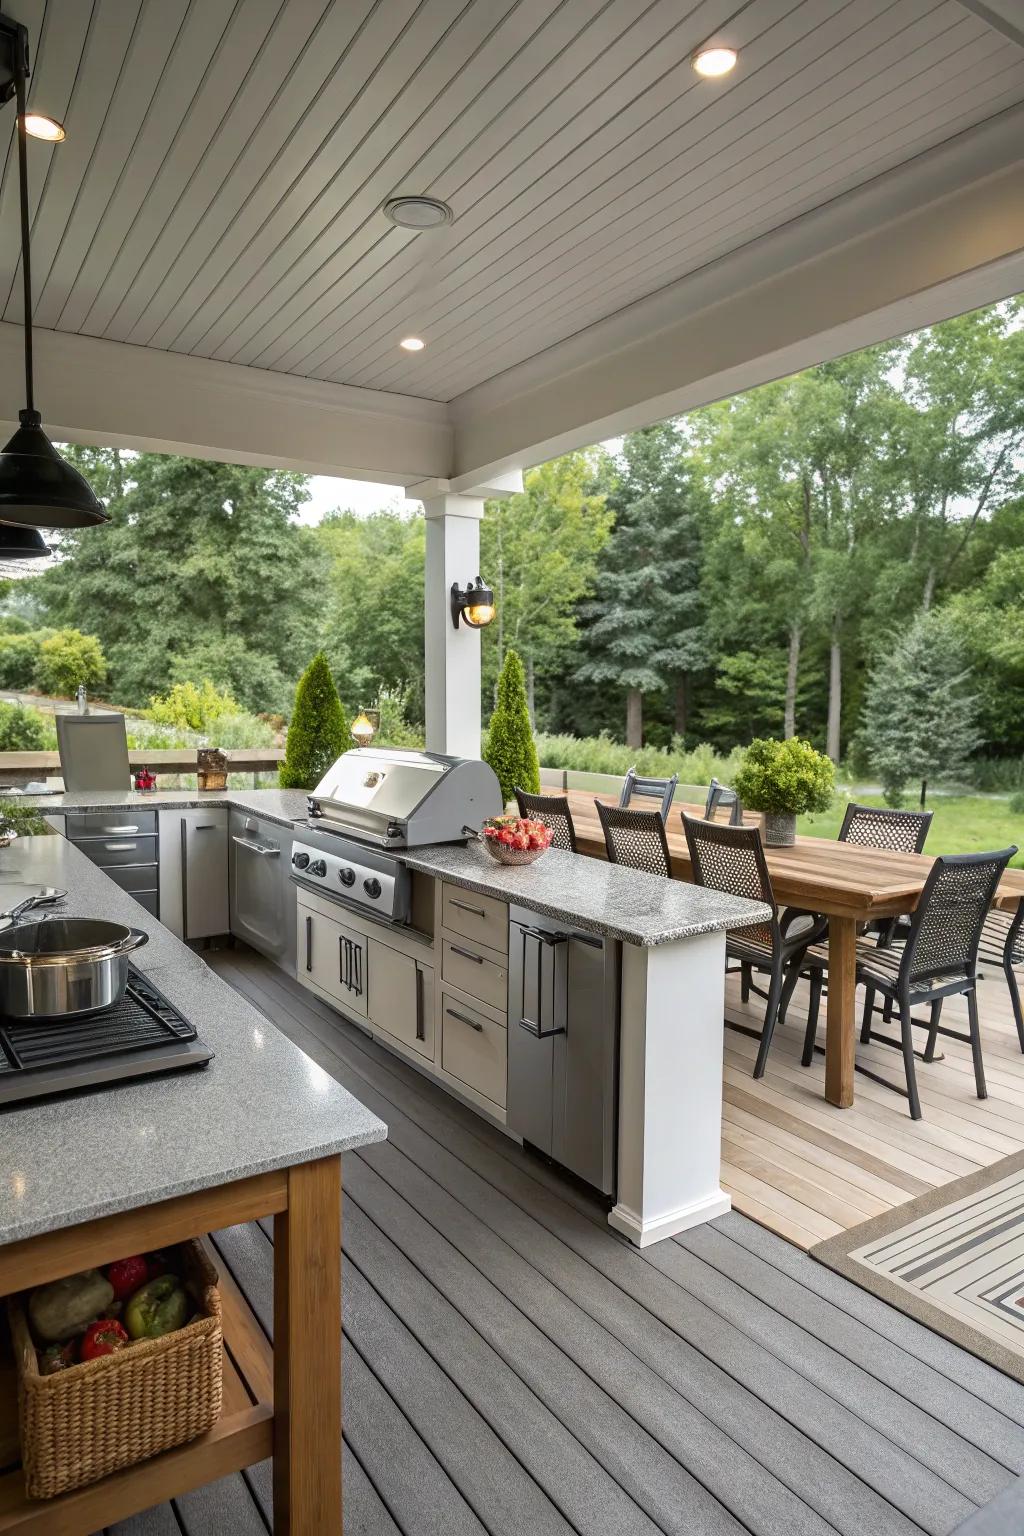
(841, 1030)
(307, 1353)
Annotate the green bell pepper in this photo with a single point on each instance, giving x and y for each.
(157, 1308)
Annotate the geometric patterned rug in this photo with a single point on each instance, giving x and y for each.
(953, 1258)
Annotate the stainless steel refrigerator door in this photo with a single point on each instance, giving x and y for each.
(262, 897)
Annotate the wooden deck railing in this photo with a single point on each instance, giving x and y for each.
(20, 768)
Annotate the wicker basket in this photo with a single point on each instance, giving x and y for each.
(97, 1417)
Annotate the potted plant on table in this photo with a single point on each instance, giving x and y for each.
(784, 780)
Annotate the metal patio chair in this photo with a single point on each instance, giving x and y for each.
(1002, 944)
(634, 787)
(731, 859)
(635, 838)
(719, 795)
(554, 812)
(938, 960)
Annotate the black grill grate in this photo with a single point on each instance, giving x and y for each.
(142, 1019)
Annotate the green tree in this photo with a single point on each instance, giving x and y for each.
(644, 631)
(318, 733)
(200, 573)
(919, 709)
(67, 659)
(539, 550)
(510, 748)
(989, 617)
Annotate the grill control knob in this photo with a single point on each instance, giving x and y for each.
(372, 888)
(318, 867)
(347, 876)
(300, 860)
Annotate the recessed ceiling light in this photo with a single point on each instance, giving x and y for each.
(417, 212)
(39, 126)
(712, 62)
(412, 343)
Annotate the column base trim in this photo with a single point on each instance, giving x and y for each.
(644, 1233)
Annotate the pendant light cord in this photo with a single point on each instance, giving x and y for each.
(26, 262)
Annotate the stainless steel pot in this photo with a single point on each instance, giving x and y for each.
(64, 967)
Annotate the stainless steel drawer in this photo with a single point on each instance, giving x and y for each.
(150, 900)
(482, 918)
(113, 823)
(108, 852)
(135, 877)
(473, 1048)
(465, 967)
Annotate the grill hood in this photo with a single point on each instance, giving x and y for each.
(405, 799)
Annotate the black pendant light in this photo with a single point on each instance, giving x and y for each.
(37, 487)
(22, 543)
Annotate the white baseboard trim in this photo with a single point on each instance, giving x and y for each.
(644, 1233)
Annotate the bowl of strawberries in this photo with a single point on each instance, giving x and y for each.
(515, 839)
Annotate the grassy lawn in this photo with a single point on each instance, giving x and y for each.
(961, 824)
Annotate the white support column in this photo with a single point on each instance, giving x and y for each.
(670, 1088)
(452, 656)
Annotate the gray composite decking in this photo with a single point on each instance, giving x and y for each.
(512, 1367)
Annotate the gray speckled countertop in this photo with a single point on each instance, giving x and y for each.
(602, 898)
(261, 1104)
(283, 806)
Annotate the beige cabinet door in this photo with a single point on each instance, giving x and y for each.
(334, 958)
(401, 998)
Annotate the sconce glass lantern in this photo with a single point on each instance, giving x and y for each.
(364, 727)
(474, 605)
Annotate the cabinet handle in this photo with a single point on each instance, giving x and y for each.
(125, 831)
(265, 849)
(184, 878)
(464, 906)
(205, 826)
(467, 954)
(464, 1018)
(309, 943)
(342, 953)
(120, 847)
(357, 956)
(421, 1032)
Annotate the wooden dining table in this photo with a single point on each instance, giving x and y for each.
(846, 882)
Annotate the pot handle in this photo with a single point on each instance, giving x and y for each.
(136, 938)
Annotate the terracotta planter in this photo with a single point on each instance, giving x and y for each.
(779, 829)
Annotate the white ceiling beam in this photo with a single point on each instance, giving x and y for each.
(108, 393)
(942, 234)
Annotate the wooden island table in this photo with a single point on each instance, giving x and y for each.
(848, 883)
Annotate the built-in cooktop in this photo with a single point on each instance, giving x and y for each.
(141, 1035)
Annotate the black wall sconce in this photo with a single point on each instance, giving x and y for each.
(474, 605)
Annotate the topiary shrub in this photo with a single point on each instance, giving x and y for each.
(22, 729)
(67, 658)
(318, 732)
(510, 747)
(785, 778)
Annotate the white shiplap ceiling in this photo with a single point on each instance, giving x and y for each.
(219, 192)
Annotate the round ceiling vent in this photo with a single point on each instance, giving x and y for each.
(417, 212)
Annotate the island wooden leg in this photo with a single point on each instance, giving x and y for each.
(307, 1353)
(840, 1031)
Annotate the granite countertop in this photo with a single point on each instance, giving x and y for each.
(260, 1104)
(603, 898)
(283, 806)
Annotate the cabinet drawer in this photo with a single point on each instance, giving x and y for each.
(150, 900)
(109, 852)
(112, 823)
(482, 918)
(465, 967)
(136, 877)
(473, 1048)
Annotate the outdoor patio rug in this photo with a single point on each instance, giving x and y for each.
(953, 1259)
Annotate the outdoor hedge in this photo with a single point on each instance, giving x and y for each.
(318, 732)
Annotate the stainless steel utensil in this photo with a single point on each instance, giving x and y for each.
(65, 967)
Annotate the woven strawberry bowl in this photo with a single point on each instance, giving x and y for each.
(515, 839)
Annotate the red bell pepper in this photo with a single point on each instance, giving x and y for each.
(104, 1337)
(127, 1275)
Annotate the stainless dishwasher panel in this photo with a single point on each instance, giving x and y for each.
(262, 897)
(563, 1044)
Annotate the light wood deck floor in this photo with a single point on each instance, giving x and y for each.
(514, 1368)
(808, 1170)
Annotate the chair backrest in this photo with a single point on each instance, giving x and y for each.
(873, 827)
(554, 812)
(636, 838)
(731, 859)
(720, 794)
(634, 787)
(945, 929)
(93, 752)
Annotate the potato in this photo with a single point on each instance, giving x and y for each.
(66, 1307)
